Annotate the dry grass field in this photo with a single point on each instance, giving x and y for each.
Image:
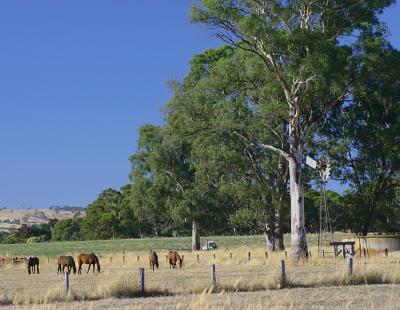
(316, 283)
(344, 297)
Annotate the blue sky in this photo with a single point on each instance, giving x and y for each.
(77, 79)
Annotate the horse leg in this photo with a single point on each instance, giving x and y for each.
(59, 269)
(37, 267)
(80, 268)
(88, 269)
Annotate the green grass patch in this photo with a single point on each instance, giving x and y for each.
(59, 248)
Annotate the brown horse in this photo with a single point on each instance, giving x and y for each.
(174, 257)
(66, 261)
(90, 259)
(153, 259)
(32, 262)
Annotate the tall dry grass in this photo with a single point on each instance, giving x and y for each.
(239, 274)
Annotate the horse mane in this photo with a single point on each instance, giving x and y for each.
(96, 259)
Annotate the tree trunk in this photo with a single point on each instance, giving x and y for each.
(281, 188)
(369, 219)
(195, 236)
(278, 234)
(270, 234)
(274, 227)
(298, 231)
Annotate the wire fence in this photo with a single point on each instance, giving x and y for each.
(254, 270)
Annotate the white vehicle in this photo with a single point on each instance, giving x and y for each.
(209, 245)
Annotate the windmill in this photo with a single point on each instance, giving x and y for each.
(325, 234)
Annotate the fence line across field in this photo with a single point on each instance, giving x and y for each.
(281, 270)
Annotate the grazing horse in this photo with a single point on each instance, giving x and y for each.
(153, 259)
(66, 261)
(174, 257)
(90, 259)
(32, 262)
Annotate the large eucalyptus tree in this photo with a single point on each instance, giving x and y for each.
(304, 44)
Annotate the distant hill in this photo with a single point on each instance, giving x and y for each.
(11, 219)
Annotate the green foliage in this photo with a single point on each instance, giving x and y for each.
(69, 229)
(102, 220)
(363, 137)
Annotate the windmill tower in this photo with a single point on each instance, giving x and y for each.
(325, 233)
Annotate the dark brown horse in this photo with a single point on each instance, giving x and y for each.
(174, 257)
(32, 262)
(66, 261)
(153, 259)
(90, 259)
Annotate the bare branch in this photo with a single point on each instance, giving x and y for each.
(276, 150)
(169, 173)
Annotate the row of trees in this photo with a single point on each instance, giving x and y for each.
(120, 214)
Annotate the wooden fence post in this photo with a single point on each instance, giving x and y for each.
(141, 279)
(249, 254)
(198, 258)
(283, 274)
(66, 282)
(323, 253)
(213, 277)
(266, 255)
(386, 252)
(350, 266)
